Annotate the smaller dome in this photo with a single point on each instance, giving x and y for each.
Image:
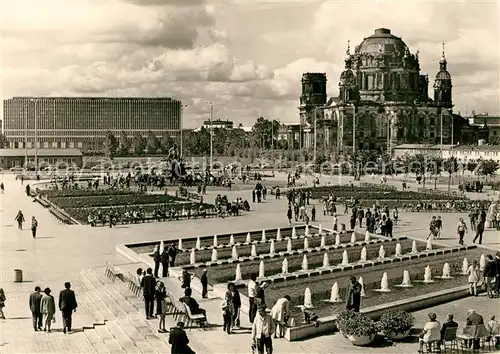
(347, 75)
(443, 75)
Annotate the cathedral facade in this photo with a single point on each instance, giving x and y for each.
(383, 100)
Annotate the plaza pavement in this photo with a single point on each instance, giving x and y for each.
(60, 252)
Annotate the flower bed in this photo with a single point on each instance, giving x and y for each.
(60, 193)
(81, 214)
(112, 200)
(321, 285)
(226, 272)
(374, 194)
(261, 248)
(426, 205)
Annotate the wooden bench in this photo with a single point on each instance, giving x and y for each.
(112, 273)
(190, 318)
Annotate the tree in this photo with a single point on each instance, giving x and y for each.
(110, 144)
(265, 132)
(139, 144)
(3, 141)
(152, 143)
(451, 165)
(167, 142)
(471, 166)
(124, 145)
(488, 168)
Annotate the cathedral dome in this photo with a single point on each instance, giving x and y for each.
(443, 75)
(382, 41)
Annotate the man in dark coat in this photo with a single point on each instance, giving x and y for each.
(67, 304)
(204, 284)
(172, 253)
(35, 299)
(497, 263)
(165, 259)
(353, 300)
(474, 319)
(448, 324)
(148, 285)
(179, 341)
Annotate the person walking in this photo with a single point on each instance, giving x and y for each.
(461, 230)
(161, 308)
(172, 253)
(473, 273)
(479, 230)
(156, 259)
(2, 303)
(34, 226)
(35, 307)
(48, 309)
(289, 214)
(2, 188)
(165, 261)
(236, 304)
(20, 219)
(28, 190)
(252, 295)
(148, 285)
(353, 301)
(262, 331)
(179, 341)
(67, 304)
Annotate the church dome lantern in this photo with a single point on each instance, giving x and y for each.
(443, 84)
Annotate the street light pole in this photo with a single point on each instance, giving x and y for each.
(353, 128)
(182, 128)
(35, 101)
(315, 118)
(211, 134)
(441, 147)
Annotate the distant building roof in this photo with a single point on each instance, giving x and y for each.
(422, 146)
(41, 152)
(478, 147)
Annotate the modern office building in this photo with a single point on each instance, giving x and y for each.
(82, 122)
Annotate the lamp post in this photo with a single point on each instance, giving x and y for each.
(35, 101)
(211, 132)
(182, 128)
(353, 127)
(25, 113)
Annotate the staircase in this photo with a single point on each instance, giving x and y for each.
(114, 318)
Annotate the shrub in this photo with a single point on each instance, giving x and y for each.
(398, 322)
(352, 323)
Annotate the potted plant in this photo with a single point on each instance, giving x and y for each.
(357, 327)
(396, 325)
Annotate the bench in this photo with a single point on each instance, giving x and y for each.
(112, 273)
(190, 318)
(133, 284)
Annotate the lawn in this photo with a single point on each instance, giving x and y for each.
(114, 200)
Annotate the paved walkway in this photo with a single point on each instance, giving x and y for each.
(60, 252)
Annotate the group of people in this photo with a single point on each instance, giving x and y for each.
(489, 274)
(43, 308)
(20, 220)
(435, 334)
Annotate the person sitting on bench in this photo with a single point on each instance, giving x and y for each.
(192, 304)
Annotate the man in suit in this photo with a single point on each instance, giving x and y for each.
(179, 340)
(67, 304)
(474, 319)
(193, 304)
(448, 324)
(148, 285)
(35, 299)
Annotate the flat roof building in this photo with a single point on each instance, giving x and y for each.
(82, 122)
(17, 157)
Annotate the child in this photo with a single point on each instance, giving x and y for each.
(473, 272)
(226, 316)
(309, 316)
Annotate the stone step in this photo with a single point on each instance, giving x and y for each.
(84, 300)
(99, 303)
(112, 290)
(102, 290)
(122, 338)
(149, 329)
(135, 335)
(98, 291)
(96, 341)
(109, 341)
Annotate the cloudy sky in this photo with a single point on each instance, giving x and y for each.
(246, 56)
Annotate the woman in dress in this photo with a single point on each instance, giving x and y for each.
(48, 309)
(473, 273)
(161, 308)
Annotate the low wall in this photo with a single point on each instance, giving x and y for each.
(327, 324)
